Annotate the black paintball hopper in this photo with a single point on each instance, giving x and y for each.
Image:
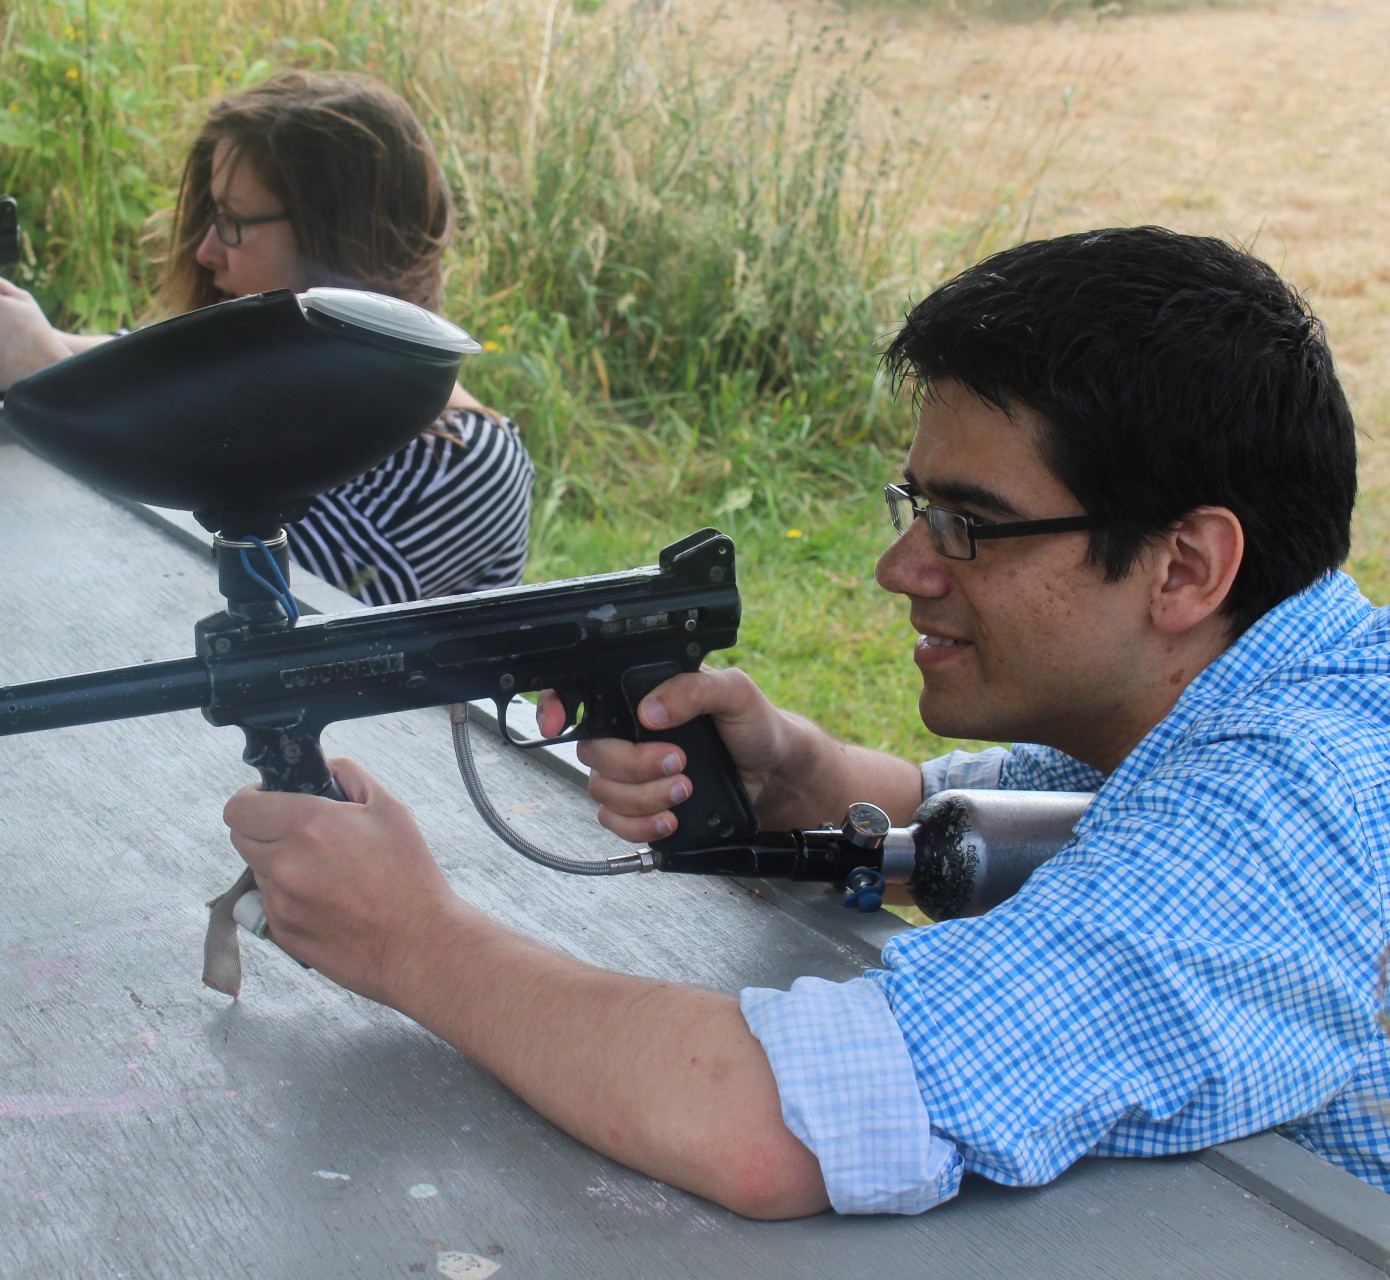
(242, 412)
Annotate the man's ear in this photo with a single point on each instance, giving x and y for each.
(1195, 565)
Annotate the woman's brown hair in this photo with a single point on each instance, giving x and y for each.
(355, 171)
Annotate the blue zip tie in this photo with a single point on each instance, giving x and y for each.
(279, 588)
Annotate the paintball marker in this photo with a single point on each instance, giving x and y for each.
(602, 643)
(215, 412)
(9, 232)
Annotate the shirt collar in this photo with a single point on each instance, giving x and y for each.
(1301, 626)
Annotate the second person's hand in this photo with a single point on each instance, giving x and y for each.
(27, 341)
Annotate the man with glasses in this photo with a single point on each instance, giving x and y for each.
(1135, 471)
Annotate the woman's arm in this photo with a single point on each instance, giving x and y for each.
(77, 343)
(28, 342)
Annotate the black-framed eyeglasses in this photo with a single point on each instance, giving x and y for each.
(954, 534)
(229, 225)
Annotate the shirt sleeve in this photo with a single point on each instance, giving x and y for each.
(971, 770)
(1025, 767)
(849, 1093)
(1193, 969)
(1196, 967)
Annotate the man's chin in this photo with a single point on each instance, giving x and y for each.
(946, 721)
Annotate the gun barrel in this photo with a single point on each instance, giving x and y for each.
(118, 694)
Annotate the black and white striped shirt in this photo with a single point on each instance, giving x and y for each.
(447, 514)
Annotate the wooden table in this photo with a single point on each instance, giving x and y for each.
(152, 1128)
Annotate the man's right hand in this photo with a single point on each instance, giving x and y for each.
(795, 773)
(638, 784)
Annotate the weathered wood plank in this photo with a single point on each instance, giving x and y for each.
(151, 1127)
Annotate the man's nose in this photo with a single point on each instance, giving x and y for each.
(911, 566)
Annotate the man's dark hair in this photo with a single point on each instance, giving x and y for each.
(1172, 372)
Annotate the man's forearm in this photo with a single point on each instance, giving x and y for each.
(822, 777)
(665, 1078)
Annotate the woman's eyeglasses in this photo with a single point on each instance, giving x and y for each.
(229, 225)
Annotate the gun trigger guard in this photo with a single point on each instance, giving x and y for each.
(530, 744)
(503, 728)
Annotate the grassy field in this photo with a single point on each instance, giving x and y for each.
(687, 226)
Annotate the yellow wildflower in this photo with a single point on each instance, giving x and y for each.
(793, 533)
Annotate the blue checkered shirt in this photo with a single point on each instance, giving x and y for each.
(1199, 963)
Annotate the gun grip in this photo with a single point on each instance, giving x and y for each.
(290, 759)
(718, 810)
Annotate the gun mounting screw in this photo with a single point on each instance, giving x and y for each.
(693, 649)
(415, 679)
(508, 682)
(691, 624)
(291, 751)
(716, 574)
(221, 645)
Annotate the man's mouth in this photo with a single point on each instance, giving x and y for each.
(932, 650)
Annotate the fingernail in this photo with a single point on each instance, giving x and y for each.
(672, 764)
(679, 791)
(663, 827)
(654, 715)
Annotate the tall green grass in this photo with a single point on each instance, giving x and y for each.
(700, 246)
(77, 152)
(681, 257)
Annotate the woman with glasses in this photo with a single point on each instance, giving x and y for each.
(308, 180)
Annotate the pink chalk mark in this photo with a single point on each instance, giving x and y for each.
(38, 971)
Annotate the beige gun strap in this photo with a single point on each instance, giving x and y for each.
(221, 948)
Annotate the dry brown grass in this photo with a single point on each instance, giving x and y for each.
(1264, 123)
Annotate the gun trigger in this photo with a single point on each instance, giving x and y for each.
(571, 700)
(504, 729)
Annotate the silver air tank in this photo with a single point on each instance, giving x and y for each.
(967, 851)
